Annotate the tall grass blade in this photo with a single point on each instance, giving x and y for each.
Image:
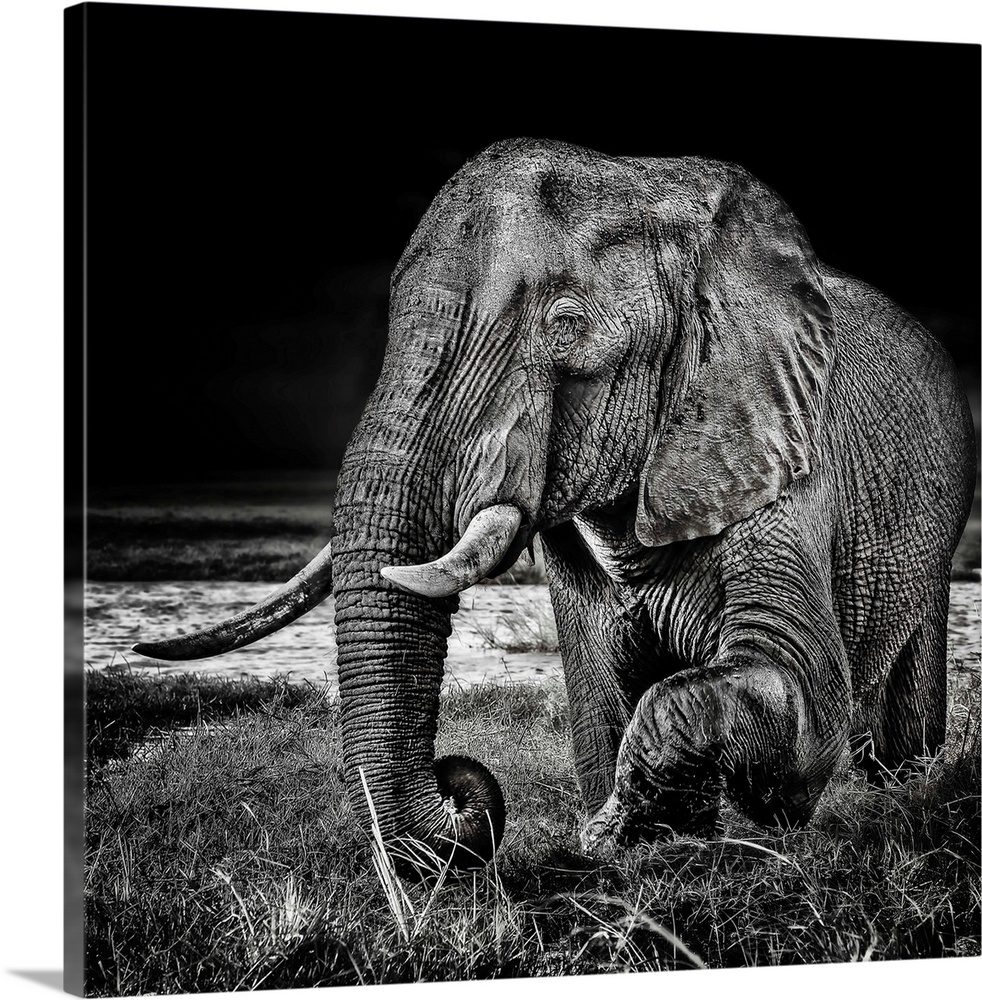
(400, 905)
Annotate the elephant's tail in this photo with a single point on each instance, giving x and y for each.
(295, 598)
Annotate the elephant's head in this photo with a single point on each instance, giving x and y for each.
(566, 329)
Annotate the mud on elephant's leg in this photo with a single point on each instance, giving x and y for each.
(744, 724)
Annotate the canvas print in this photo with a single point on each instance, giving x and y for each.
(531, 500)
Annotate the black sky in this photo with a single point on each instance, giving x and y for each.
(253, 177)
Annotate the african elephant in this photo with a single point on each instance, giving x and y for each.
(748, 470)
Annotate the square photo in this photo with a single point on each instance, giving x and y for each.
(526, 482)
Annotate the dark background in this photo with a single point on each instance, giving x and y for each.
(253, 176)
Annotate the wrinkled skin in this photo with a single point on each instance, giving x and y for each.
(749, 472)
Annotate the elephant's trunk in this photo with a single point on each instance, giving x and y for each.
(441, 484)
(391, 647)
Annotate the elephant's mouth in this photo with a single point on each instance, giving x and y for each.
(522, 543)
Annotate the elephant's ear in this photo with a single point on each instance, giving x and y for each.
(744, 384)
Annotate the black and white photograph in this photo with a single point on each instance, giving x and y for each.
(525, 478)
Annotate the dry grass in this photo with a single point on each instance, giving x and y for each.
(226, 857)
(188, 545)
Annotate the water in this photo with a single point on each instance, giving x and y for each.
(500, 633)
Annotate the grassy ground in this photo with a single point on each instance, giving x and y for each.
(223, 855)
(148, 545)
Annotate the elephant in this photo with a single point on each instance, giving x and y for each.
(748, 472)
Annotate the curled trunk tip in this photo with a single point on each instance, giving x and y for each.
(464, 829)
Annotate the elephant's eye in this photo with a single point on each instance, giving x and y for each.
(580, 339)
(566, 321)
(566, 329)
(564, 306)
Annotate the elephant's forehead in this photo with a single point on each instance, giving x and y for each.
(524, 211)
(568, 190)
(533, 216)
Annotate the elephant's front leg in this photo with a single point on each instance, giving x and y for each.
(607, 660)
(763, 721)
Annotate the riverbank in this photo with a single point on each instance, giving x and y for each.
(251, 527)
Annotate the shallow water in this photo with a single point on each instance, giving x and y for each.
(499, 633)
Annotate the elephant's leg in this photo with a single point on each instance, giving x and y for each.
(607, 653)
(908, 720)
(765, 721)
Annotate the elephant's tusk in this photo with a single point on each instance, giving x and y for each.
(481, 547)
(295, 598)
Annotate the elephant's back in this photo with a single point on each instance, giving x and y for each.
(896, 395)
(900, 428)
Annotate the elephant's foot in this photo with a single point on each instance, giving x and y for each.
(604, 831)
(631, 816)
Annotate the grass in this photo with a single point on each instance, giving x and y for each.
(965, 562)
(124, 710)
(519, 629)
(223, 855)
(147, 544)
